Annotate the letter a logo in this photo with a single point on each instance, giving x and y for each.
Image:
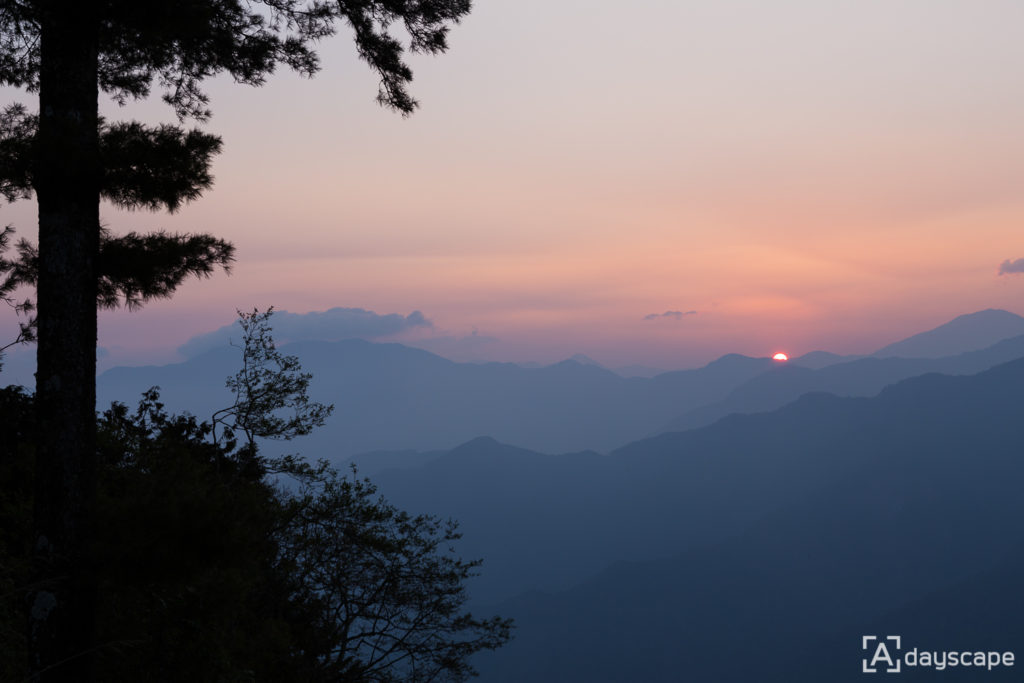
(881, 655)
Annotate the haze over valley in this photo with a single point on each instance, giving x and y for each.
(748, 500)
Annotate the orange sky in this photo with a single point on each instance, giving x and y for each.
(802, 174)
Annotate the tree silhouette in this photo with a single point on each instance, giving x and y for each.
(268, 383)
(68, 51)
(209, 569)
(385, 585)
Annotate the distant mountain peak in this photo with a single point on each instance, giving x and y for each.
(968, 332)
(486, 446)
(735, 358)
(480, 442)
(583, 359)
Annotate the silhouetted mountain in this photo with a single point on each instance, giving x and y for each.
(982, 612)
(625, 371)
(372, 463)
(862, 377)
(542, 521)
(815, 360)
(638, 371)
(751, 549)
(900, 514)
(964, 333)
(391, 397)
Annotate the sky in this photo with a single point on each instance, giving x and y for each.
(776, 176)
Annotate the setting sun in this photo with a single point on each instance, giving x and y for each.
(780, 356)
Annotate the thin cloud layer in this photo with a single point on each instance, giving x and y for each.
(677, 315)
(1009, 267)
(329, 325)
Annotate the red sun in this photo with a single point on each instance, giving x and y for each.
(780, 356)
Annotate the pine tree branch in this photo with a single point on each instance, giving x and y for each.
(144, 167)
(133, 269)
(155, 167)
(138, 268)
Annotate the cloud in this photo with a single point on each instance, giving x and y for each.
(329, 325)
(1009, 267)
(678, 315)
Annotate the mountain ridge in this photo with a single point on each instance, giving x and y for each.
(968, 332)
(865, 549)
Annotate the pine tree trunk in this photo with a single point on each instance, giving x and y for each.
(66, 178)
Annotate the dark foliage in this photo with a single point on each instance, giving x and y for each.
(210, 572)
(186, 558)
(154, 167)
(143, 168)
(268, 384)
(16, 486)
(13, 273)
(69, 51)
(175, 46)
(17, 137)
(133, 268)
(392, 594)
(137, 268)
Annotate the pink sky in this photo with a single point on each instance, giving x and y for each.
(802, 174)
